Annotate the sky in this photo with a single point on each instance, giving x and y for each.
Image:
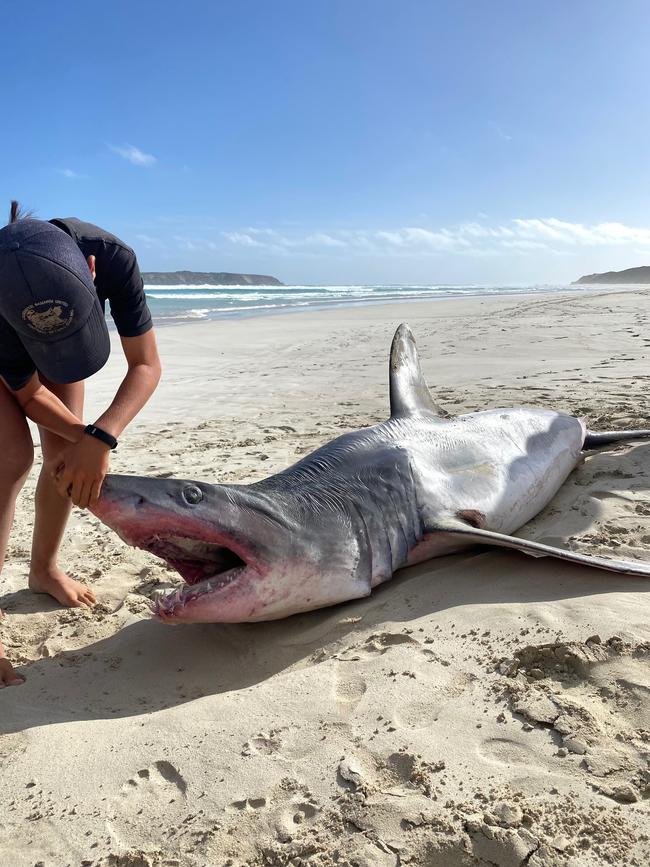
(338, 141)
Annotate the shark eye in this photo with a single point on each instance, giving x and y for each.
(192, 495)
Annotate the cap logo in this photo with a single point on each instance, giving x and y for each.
(48, 317)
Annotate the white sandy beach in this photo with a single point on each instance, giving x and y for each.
(481, 709)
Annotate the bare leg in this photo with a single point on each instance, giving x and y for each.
(51, 516)
(17, 456)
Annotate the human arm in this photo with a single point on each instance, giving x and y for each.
(85, 463)
(138, 385)
(37, 402)
(45, 409)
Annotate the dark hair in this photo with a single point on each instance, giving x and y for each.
(16, 212)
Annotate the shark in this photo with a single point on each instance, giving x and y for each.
(344, 519)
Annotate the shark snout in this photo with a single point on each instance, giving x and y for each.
(241, 554)
(118, 502)
(113, 491)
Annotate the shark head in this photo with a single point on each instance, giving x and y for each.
(244, 555)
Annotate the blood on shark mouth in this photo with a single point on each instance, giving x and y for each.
(205, 566)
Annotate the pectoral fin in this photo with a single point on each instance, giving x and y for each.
(458, 527)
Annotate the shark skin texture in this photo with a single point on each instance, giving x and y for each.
(345, 518)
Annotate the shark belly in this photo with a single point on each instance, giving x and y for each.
(505, 466)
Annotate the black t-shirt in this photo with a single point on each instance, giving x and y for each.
(118, 281)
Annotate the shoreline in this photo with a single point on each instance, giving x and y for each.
(454, 293)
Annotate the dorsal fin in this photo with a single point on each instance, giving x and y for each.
(408, 390)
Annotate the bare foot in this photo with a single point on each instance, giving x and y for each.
(8, 675)
(67, 591)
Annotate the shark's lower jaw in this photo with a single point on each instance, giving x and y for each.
(175, 606)
(208, 568)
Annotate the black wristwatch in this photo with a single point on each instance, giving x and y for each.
(100, 434)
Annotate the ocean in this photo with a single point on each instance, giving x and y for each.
(173, 304)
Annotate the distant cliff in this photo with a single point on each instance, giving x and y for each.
(630, 275)
(210, 278)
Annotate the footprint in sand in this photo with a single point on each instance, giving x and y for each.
(348, 692)
(349, 689)
(287, 807)
(424, 678)
(264, 743)
(161, 781)
(507, 752)
(378, 643)
(299, 811)
(431, 694)
(396, 775)
(406, 771)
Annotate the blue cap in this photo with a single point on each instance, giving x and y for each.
(48, 298)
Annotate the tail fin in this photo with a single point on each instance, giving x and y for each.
(594, 440)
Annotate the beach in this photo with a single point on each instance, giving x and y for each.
(485, 708)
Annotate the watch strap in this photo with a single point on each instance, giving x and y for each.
(99, 434)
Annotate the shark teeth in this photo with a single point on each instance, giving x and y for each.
(167, 606)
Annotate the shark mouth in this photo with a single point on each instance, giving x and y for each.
(207, 567)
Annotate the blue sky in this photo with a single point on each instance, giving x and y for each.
(338, 141)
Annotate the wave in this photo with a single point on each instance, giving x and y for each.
(324, 293)
(170, 304)
(224, 296)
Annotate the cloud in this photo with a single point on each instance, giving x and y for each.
(195, 245)
(502, 135)
(149, 241)
(516, 237)
(244, 239)
(577, 234)
(72, 175)
(134, 155)
(274, 242)
(413, 237)
(324, 239)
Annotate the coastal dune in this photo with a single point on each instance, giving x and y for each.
(479, 709)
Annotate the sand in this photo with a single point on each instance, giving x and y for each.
(486, 708)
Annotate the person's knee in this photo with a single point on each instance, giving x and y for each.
(17, 460)
(51, 448)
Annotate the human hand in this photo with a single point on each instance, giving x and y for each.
(80, 470)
